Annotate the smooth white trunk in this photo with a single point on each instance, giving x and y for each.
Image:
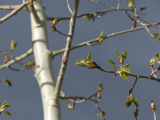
(44, 72)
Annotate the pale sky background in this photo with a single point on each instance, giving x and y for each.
(25, 96)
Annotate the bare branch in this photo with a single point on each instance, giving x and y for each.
(82, 99)
(66, 52)
(125, 12)
(118, 6)
(96, 39)
(15, 11)
(9, 7)
(69, 6)
(95, 14)
(17, 69)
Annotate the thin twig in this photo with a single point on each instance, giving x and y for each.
(135, 9)
(30, 51)
(118, 6)
(135, 75)
(133, 85)
(61, 33)
(9, 7)
(17, 69)
(69, 6)
(81, 99)
(154, 113)
(21, 57)
(95, 14)
(153, 73)
(121, 10)
(96, 39)
(14, 12)
(66, 52)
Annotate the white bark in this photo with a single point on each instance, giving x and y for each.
(43, 73)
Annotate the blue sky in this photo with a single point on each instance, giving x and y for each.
(25, 95)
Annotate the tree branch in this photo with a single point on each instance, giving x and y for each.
(14, 12)
(9, 7)
(96, 39)
(30, 51)
(134, 75)
(21, 57)
(98, 14)
(66, 52)
(121, 10)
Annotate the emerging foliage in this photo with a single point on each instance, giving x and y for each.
(3, 107)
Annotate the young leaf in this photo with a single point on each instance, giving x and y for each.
(112, 63)
(117, 52)
(126, 65)
(155, 35)
(91, 64)
(102, 115)
(8, 113)
(81, 63)
(89, 57)
(89, 17)
(135, 102)
(101, 38)
(99, 95)
(124, 77)
(70, 106)
(100, 86)
(31, 63)
(55, 21)
(132, 9)
(124, 55)
(130, 3)
(13, 44)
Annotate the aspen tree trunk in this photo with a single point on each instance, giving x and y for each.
(43, 71)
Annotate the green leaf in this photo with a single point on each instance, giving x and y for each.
(31, 63)
(8, 113)
(124, 77)
(117, 52)
(126, 70)
(132, 9)
(13, 44)
(81, 63)
(155, 35)
(70, 106)
(89, 17)
(101, 115)
(89, 57)
(135, 102)
(101, 37)
(124, 55)
(126, 65)
(3, 104)
(55, 21)
(112, 63)
(130, 3)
